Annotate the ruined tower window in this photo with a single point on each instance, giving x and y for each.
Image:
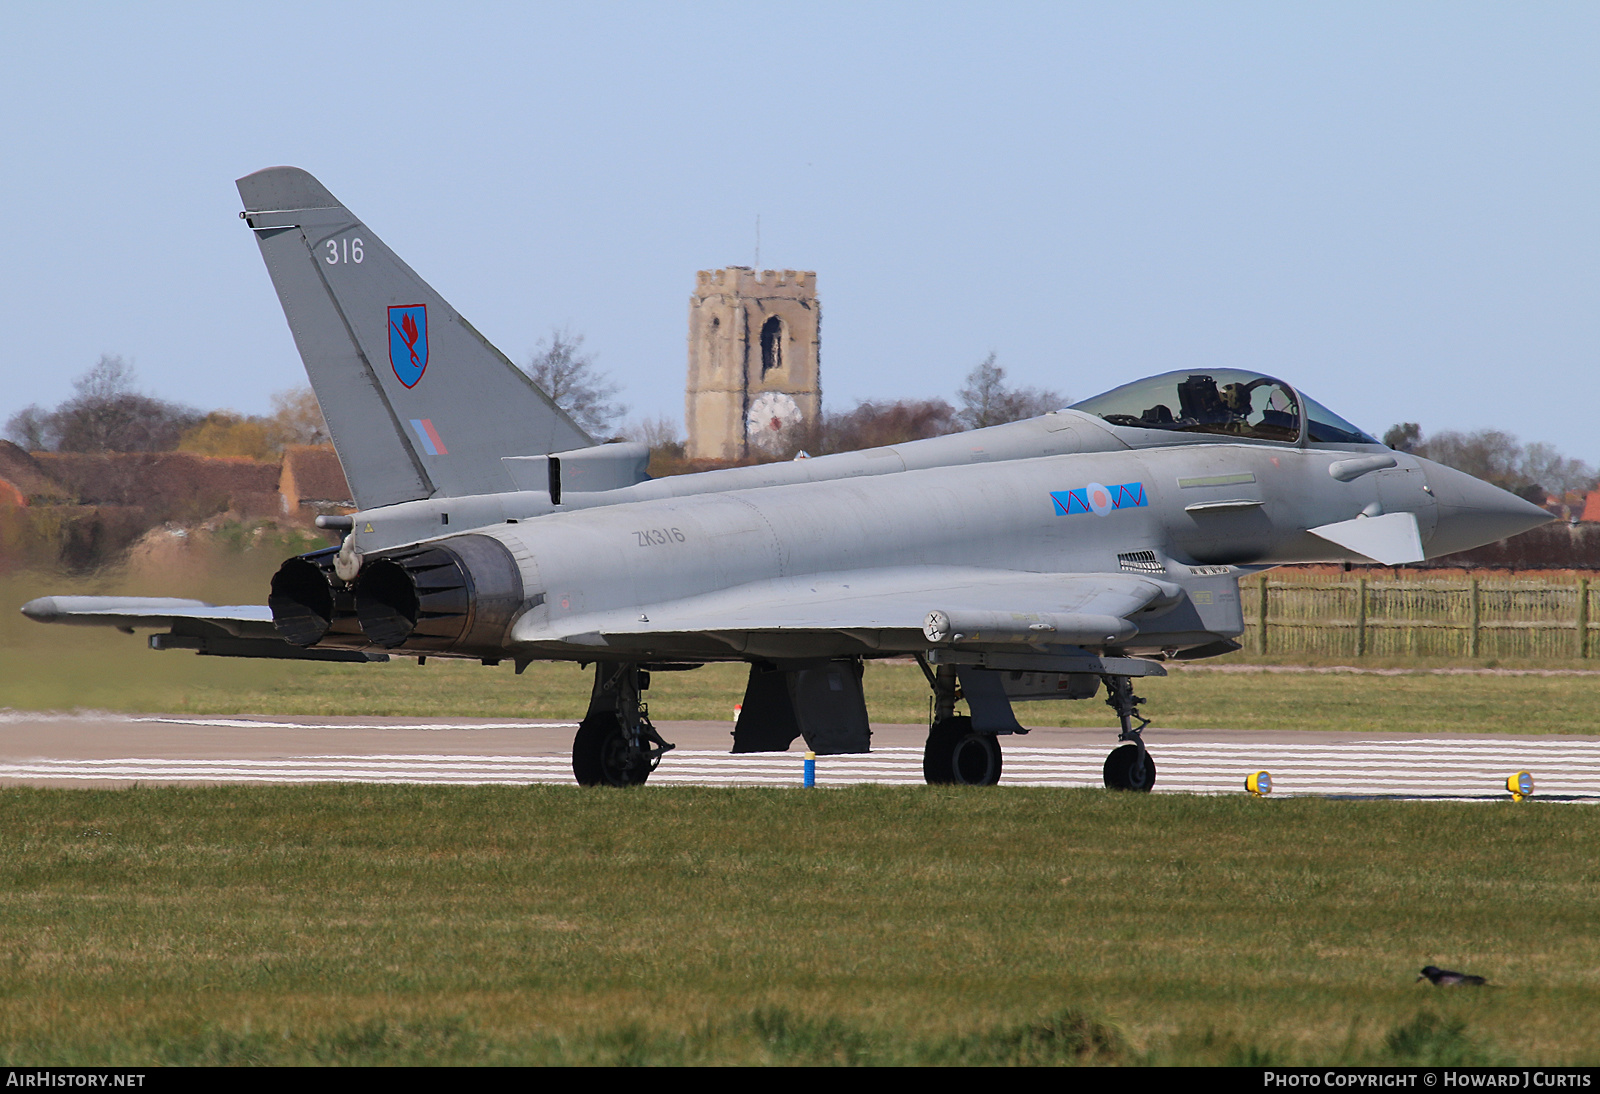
(771, 345)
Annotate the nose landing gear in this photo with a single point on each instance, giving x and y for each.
(1129, 767)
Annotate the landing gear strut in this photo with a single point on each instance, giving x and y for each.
(616, 745)
(1129, 767)
(956, 753)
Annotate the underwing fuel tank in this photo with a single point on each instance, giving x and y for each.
(451, 596)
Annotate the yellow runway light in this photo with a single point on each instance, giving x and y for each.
(1520, 785)
(1259, 783)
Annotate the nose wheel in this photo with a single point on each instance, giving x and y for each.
(1129, 767)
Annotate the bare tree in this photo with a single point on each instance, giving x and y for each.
(1532, 471)
(31, 428)
(1560, 475)
(659, 433)
(105, 414)
(1403, 436)
(297, 419)
(1492, 455)
(873, 425)
(986, 400)
(571, 380)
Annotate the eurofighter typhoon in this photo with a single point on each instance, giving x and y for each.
(1040, 559)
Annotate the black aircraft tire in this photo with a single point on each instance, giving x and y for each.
(975, 760)
(1119, 767)
(599, 755)
(955, 755)
(938, 755)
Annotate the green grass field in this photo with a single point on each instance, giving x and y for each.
(362, 924)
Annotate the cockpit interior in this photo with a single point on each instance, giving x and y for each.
(1231, 402)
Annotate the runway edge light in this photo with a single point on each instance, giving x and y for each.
(1520, 785)
(1259, 783)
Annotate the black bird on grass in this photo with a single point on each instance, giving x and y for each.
(1444, 977)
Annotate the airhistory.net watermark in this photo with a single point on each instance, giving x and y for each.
(45, 1077)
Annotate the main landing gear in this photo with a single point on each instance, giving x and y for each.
(956, 754)
(1129, 767)
(616, 745)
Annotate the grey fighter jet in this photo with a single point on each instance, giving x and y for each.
(1041, 559)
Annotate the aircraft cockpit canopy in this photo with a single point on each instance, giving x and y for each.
(1229, 401)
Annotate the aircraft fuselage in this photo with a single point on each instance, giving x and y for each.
(1194, 515)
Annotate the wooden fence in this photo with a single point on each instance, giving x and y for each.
(1523, 619)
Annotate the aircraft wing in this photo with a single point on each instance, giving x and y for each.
(236, 630)
(943, 602)
(126, 612)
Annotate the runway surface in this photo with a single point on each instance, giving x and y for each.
(122, 750)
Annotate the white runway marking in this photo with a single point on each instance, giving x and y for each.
(1453, 769)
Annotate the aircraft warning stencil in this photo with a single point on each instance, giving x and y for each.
(1098, 499)
(408, 342)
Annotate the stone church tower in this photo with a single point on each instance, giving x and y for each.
(754, 366)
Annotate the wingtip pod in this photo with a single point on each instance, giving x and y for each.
(284, 188)
(41, 609)
(101, 609)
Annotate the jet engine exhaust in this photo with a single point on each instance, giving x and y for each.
(457, 595)
(389, 602)
(301, 601)
(452, 596)
(421, 598)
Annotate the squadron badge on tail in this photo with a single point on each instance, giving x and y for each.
(408, 342)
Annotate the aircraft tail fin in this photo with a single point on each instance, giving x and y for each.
(419, 404)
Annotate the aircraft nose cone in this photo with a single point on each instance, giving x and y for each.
(1472, 513)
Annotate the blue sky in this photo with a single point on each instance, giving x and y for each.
(1392, 206)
